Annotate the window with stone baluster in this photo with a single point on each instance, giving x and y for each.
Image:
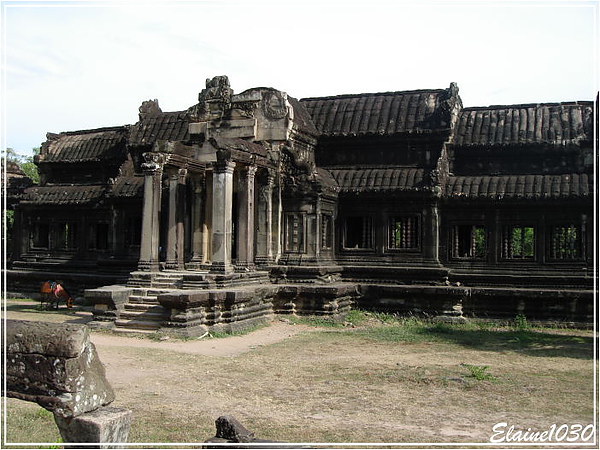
(468, 242)
(565, 242)
(518, 242)
(295, 232)
(358, 233)
(405, 232)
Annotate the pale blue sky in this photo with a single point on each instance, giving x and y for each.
(77, 65)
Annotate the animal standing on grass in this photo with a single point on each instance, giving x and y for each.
(51, 292)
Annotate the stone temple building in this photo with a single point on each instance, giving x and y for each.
(255, 203)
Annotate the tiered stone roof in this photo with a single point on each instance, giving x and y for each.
(377, 114)
(530, 187)
(549, 123)
(167, 126)
(85, 146)
(64, 195)
(374, 179)
(385, 113)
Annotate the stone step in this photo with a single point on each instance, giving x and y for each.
(165, 285)
(131, 331)
(143, 299)
(157, 315)
(147, 291)
(135, 325)
(153, 307)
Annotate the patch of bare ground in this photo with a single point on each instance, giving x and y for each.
(300, 383)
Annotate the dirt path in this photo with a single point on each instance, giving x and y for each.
(274, 332)
(277, 331)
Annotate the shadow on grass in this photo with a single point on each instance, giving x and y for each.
(77, 315)
(531, 342)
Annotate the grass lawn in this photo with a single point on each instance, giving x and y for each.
(375, 379)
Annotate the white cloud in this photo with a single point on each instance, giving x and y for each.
(82, 67)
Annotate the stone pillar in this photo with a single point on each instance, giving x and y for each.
(175, 231)
(277, 226)
(264, 225)
(151, 212)
(222, 217)
(180, 219)
(431, 229)
(245, 226)
(171, 262)
(207, 223)
(197, 220)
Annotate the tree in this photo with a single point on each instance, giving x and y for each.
(29, 167)
(25, 162)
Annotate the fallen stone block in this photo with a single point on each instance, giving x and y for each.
(230, 431)
(105, 424)
(229, 428)
(56, 366)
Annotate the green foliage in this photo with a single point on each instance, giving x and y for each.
(522, 242)
(480, 373)
(521, 322)
(31, 170)
(25, 162)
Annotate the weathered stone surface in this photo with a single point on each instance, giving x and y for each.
(230, 431)
(55, 366)
(229, 428)
(50, 339)
(106, 424)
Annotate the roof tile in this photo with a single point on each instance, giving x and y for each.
(380, 113)
(520, 186)
(379, 179)
(553, 123)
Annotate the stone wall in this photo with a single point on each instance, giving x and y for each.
(563, 305)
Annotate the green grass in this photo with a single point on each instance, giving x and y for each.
(480, 373)
(522, 337)
(28, 419)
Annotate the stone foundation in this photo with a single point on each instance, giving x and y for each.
(325, 300)
(193, 312)
(563, 305)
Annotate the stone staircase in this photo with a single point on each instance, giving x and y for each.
(142, 313)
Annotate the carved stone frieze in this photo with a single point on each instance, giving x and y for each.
(149, 108)
(245, 109)
(274, 105)
(154, 161)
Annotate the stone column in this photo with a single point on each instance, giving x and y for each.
(171, 262)
(180, 218)
(207, 223)
(222, 217)
(431, 241)
(245, 238)
(264, 244)
(175, 232)
(197, 220)
(277, 225)
(151, 212)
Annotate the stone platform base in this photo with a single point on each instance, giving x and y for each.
(193, 312)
